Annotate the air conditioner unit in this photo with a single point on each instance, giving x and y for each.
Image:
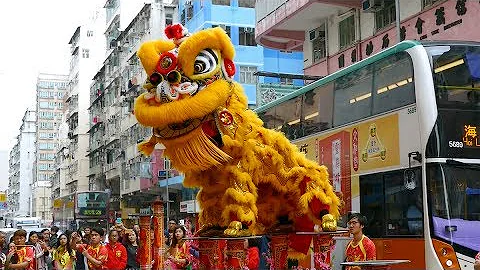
(372, 5)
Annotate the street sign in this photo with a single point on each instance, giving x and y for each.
(190, 207)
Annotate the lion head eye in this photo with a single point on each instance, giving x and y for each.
(199, 67)
(206, 61)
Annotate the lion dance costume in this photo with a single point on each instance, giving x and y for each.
(249, 177)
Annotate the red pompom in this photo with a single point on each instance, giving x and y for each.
(174, 31)
(229, 67)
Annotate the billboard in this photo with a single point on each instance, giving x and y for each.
(353, 150)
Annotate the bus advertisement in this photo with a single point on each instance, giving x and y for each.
(80, 209)
(398, 134)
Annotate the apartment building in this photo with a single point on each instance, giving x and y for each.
(21, 170)
(115, 164)
(51, 89)
(335, 34)
(87, 48)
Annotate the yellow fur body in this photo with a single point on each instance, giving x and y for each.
(256, 176)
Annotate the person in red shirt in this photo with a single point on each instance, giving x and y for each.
(95, 252)
(476, 266)
(117, 253)
(24, 254)
(360, 248)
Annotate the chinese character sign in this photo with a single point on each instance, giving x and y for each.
(470, 137)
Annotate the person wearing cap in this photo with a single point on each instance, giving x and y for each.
(360, 248)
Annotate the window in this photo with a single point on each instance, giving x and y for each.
(347, 31)
(168, 19)
(287, 81)
(393, 83)
(247, 74)
(43, 94)
(225, 27)
(246, 3)
(182, 17)
(385, 16)
(288, 117)
(392, 206)
(85, 53)
(189, 9)
(247, 36)
(89, 33)
(317, 37)
(428, 3)
(353, 96)
(46, 125)
(317, 109)
(43, 104)
(221, 2)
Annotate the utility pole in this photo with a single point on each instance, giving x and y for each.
(397, 19)
(168, 197)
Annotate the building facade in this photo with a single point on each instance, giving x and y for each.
(335, 34)
(51, 89)
(21, 170)
(87, 46)
(114, 161)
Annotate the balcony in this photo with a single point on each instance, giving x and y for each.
(281, 24)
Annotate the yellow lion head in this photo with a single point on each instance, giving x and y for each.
(189, 82)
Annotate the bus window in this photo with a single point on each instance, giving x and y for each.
(456, 74)
(372, 204)
(393, 83)
(268, 118)
(353, 96)
(317, 109)
(288, 116)
(392, 207)
(403, 203)
(454, 201)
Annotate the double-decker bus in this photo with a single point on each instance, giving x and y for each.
(80, 209)
(398, 133)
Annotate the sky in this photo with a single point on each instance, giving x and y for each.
(34, 39)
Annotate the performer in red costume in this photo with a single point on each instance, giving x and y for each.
(476, 266)
(360, 248)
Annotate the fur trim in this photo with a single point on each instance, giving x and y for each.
(194, 151)
(295, 255)
(147, 147)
